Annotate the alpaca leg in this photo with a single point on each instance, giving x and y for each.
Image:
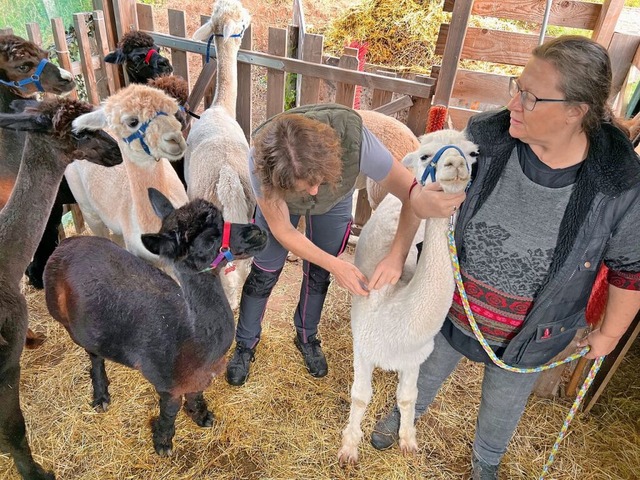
(13, 438)
(100, 382)
(407, 393)
(360, 396)
(196, 407)
(164, 427)
(47, 245)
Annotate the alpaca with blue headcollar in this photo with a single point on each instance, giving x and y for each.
(394, 327)
(114, 201)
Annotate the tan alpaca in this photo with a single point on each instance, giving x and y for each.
(394, 135)
(216, 160)
(116, 199)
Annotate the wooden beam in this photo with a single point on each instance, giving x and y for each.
(423, 89)
(144, 13)
(489, 45)
(565, 13)
(480, 87)
(382, 97)
(84, 51)
(395, 106)
(244, 100)
(419, 111)
(452, 51)
(112, 37)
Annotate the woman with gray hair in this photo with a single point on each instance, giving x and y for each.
(556, 194)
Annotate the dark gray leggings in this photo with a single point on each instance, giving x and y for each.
(329, 232)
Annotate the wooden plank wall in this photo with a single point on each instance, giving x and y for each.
(511, 48)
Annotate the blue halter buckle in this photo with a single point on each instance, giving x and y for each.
(35, 78)
(430, 171)
(140, 133)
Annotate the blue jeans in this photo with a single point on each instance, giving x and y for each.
(504, 397)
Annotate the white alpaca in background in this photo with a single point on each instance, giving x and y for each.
(394, 327)
(216, 166)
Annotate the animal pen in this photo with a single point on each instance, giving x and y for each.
(295, 51)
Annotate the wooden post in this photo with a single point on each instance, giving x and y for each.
(611, 364)
(6, 31)
(84, 49)
(311, 52)
(606, 23)
(124, 12)
(112, 38)
(211, 71)
(109, 71)
(62, 49)
(179, 60)
(244, 100)
(144, 13)
(275, 78)
(33, 33)
(418, 113)
(381, 97)
(346, 92)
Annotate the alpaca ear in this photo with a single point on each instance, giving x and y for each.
(203, 33)
(26, 122)
(95, 120)
(117, 56)
(158, 243)
(161, 204)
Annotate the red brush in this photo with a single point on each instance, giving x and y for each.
(437, 118)
(598, 298)
(362, 47)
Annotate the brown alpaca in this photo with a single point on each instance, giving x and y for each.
(50, 145)
(19, 62)
(118, 307)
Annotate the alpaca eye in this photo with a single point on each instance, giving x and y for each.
(133, 122)
(425, 157)
(25, 67)
(474, 154)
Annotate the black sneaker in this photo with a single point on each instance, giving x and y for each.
(385, 432)
(238, 366)
(313, 357)
(483, 471)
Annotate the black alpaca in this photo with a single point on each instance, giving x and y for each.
(49, 146)
(140, 56)
(119, 307)
(19, 61)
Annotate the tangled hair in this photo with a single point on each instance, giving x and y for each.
(585, 71)
(135, 39)
(173, 85)
(61, 111)
(294, 147)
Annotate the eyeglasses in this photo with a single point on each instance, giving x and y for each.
(528, 99)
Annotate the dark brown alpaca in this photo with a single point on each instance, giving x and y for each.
(119, 307)
(19, 62)
(140, 56)
(49, 147)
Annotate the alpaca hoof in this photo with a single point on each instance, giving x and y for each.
(205, 420)
(101, 404)
(37, 473)
(347, 456)
(164, 450)
(34, 340)
(408, 446)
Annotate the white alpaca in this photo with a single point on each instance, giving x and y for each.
(423, 295)
(216, 166)
(116, 199)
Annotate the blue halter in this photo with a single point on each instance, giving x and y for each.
(235, 35)
(140, 133)
(35, 78)
(430, 171)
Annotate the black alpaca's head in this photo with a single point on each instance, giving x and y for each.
(140, 56)
(53, 118)
(192, 235)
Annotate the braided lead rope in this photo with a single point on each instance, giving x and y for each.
(574, 408)
(474, 326)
